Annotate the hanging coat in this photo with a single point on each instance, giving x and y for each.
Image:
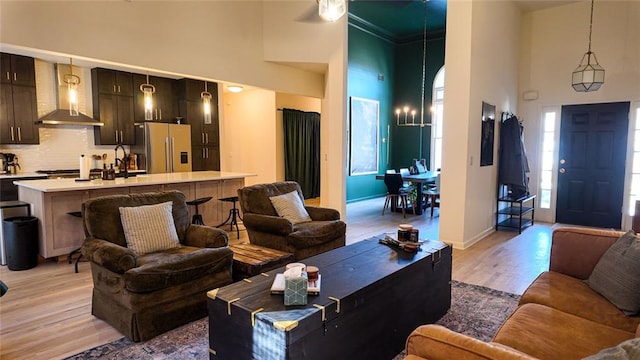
(513, 165)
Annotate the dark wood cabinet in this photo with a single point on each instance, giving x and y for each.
(113, 104)
(165, 103)
(205, 134)
(205, 158)
(18, 110)
(18, 70)
(112, 82)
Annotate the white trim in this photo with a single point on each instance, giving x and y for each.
(549, 215)
(628, 172)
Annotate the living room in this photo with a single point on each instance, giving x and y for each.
(494, 53)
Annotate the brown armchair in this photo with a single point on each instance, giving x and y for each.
(145, 295)
(265, 228)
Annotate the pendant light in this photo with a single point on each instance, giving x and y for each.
(72, 82)
(206, 104)
(331, 10)
(402, 114)
(148, 90)
(589, 75)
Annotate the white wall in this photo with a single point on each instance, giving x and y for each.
(481, 62)
(249, 123)
(255, 43)
(553, 42)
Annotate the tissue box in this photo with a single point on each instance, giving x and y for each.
(295, 290)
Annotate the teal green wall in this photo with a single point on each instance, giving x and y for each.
(401, 66)
(370, 56)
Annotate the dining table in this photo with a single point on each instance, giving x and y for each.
(420, 179)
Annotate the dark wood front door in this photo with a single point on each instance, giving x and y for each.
(593, 143)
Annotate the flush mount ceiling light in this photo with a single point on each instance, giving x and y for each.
(72, 82)
(331, 10)
(148, 90)
(234, 88)
(589, 75)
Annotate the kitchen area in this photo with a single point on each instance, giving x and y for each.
(143, 133)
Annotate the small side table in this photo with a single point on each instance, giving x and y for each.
(250, 260)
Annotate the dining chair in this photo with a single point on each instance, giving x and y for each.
(395, 192)
(432, 195)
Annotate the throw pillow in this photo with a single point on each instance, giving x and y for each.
(626, 350)
(290, 207)
(616, 276)
(149, 228)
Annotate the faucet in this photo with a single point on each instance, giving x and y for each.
(124, 160)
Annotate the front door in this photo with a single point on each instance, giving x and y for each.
(593, 143)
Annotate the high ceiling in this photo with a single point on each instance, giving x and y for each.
(405, 18)
(402, 18)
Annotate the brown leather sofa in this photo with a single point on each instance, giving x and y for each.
(265, 228)
(558, 317)
(145, 295)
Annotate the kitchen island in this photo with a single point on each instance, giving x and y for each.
(54, 201)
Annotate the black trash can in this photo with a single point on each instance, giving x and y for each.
(21, 242)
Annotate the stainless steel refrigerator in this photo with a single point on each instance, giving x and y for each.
(162, 147)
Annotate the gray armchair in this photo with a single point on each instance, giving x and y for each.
(143, 296)
(265, 228)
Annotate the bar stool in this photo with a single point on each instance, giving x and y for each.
(234, 215)
(197, 218)
(77, 214)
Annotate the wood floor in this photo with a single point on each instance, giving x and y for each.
(46, 314)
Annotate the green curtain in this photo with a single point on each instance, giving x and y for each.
(302, 150)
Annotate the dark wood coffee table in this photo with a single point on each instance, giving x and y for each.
(372, 296)
(250, 260)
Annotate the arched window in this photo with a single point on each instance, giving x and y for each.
(437, 116)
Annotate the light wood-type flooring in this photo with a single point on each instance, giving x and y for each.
(46, 314)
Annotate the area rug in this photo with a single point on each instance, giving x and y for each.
(476, 311)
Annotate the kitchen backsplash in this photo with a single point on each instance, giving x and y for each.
(60, 147)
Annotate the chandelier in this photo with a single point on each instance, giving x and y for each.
(589, 75)
(406, 115)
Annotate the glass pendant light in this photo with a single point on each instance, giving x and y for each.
(148, 90)
(72, 82)
(206, 104)
(331, 10)
(589, 75)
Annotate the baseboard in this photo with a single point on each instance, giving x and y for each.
(470, 242)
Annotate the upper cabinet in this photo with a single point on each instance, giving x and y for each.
(18, 70)
(18, 104)
(113, 104)
(165, 102)
(112, 82)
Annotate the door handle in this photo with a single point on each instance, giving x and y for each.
(12, 137)
(121, 137)
(15, 77)
(563, 161)
(562, 170)
(8, 76)
(207, 150)
(19, 134)
(202, 138)
(160, 111)
(207, 137)
(167, 153)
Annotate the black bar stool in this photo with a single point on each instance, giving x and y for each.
(234, 215)
(77, 214)
(197, 218)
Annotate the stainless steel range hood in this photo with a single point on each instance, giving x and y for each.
(61, 115)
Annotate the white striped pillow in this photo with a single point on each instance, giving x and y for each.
(149, 228)
(290, 207)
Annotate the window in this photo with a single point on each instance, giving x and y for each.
(635, 168)
(437, 112)
(548, 146)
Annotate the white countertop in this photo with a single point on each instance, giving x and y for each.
(22, 175)
(53, 185)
